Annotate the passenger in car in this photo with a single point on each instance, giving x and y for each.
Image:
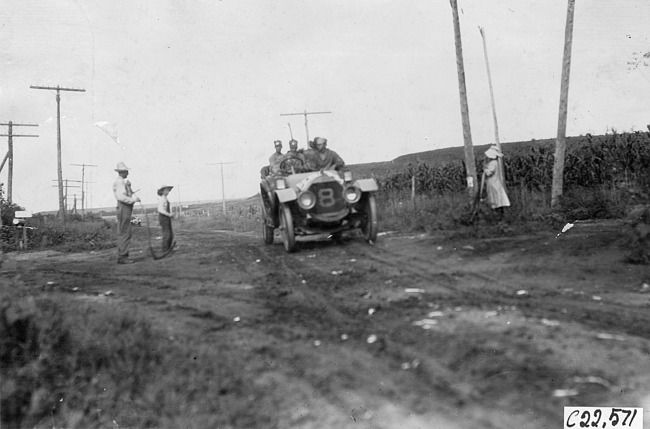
(310, 155)
(277, 155)
(323, 158)
(274, 160)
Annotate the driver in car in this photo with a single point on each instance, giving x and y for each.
(295, 158)
(291, 162)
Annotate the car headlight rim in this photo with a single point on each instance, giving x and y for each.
(307, 200)
(352, 194)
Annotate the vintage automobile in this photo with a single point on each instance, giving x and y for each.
(316, 202)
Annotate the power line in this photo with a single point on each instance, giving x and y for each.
(58, 90)
(10, 153)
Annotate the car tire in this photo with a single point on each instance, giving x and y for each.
(286, 228)
(369, 225)
(267, 233)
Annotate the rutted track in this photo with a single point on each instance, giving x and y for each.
(345, 324)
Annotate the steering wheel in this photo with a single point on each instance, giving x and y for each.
(290, 164)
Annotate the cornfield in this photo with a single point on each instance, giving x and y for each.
(589, 161)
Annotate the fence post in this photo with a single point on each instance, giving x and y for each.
(413, 189)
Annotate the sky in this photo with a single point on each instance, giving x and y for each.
(191, 84)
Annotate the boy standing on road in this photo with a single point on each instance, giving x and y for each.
(165, 217)
(125, 201)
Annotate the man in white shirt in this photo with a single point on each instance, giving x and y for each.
(125, 201)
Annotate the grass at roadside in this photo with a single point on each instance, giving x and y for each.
(102, 366)
(88, 367)
(450, 214)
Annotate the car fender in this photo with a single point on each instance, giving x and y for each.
(286, 195)
(367, 185)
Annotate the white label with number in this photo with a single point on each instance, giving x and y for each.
(603, 417)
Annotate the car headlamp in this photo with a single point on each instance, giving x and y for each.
(352, 194)
(347, 176)
(280, 184)
(307, 200)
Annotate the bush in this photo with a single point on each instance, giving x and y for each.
(89, 233)
(99, 364)
(7, 209)
(638, 225)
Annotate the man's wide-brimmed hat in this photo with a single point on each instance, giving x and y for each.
(163, 187)
(121, 167)
(493, 152)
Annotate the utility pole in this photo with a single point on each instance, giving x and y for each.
(470, 164)
(494, 109)
(83, 184)
(180, 205)
(10, 154)
(66, 186)
(58, 90)
(305, 113)
(560, 144)
(223, 190)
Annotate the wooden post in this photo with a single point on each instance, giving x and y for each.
(494, 109)
(470, 163)
(10, 166)
(413, 189)
(223, 188)
(10, 154)
(83, 185)
(58, 90)
(560, 145)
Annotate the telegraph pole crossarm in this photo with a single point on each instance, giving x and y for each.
(223, 190)
(83, 183)
(66, 186)
(10, 153)
(305, 113)
(58, 90)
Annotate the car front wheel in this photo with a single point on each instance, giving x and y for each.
(369, 225)
(286, 228)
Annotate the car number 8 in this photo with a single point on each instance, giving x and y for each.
(326, 197)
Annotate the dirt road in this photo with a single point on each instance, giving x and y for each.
(414, 332)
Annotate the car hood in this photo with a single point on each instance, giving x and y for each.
(302, 181)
